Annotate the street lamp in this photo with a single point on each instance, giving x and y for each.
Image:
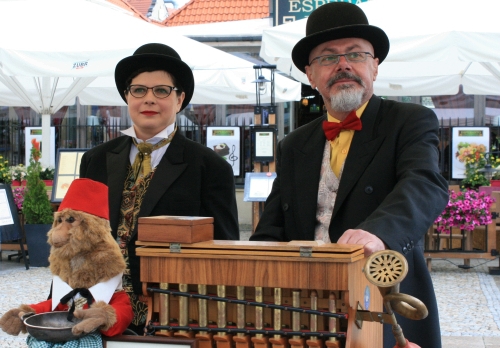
(261, 87)
(488, 169)
(261, 83)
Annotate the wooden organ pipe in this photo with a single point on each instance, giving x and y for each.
(259, 341)
(332, 321)
(183, 313)
(278, 341)
(241, 339)
(204, 337)
(222, 339)
(164, 314)
(313, 322)
(296, 341)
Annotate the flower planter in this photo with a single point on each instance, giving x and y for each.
(495, 183)
(18, 183)
(36, 241)
(49, 184)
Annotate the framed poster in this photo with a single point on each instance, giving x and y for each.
(126, 341)
(467, 142)
(67, 170)
(258, 186)
(264, 143)
(225, 141)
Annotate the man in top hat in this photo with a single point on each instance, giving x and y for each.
(367, 172)
(153, 169)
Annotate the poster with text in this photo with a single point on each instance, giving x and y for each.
(225, 141)
(467, 143)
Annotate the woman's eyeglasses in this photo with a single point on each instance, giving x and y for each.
(162, 91)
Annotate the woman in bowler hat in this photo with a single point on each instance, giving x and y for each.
(153, 169)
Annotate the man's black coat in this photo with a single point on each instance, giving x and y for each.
(390, 186)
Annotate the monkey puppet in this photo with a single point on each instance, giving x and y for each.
(87, 268)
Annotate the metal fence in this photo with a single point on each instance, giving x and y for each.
(73, 134)
(70, 135)
(82, 135)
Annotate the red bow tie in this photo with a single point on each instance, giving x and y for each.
(332, 129)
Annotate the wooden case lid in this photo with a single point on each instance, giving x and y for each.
(252, 249)
(176, 220)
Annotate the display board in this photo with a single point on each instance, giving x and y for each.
(10, 226)
(264, 144)
(36, 133)
(67, 170)
(466, 142)
(258, 186)
(225, 141)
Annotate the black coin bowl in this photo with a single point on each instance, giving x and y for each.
(51, 326)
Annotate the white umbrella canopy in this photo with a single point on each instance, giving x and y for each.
(78, 39)
(436, 46)
(52, 51)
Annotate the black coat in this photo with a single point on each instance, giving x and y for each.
(190, 180)
(390, 186)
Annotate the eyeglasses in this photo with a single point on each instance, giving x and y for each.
(353, 57)
(162, 91)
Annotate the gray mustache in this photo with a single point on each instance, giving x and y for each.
(344, 75)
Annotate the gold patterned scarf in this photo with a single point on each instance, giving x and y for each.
(143, 157)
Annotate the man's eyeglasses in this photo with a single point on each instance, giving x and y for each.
(161, 91)
(353, 57)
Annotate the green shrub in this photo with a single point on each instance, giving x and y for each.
(36, 206)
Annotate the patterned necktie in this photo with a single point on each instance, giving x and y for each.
(332, 129)
(143, 157)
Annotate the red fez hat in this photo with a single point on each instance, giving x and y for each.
(88, 196)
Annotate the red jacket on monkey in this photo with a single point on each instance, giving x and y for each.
(87, 267)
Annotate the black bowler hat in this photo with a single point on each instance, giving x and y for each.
(158, 57)
(338, 20)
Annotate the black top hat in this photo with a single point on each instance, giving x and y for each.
(338, 20)
(155, 56)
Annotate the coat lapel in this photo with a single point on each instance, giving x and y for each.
(117, 158)
(364, 146)
(171, 166)
(308, 154)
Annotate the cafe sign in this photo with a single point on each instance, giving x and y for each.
(292, 10)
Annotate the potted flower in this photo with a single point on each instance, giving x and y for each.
(18, 194)
(47, 175)
(474, 159)
(465, 210)
(4, 171)
(18, 174)
(495, 178)
(37, 210)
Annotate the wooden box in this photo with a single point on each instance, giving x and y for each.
(175, 229)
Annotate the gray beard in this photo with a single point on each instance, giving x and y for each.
(347, 100)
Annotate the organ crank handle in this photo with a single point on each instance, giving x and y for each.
(386, 269)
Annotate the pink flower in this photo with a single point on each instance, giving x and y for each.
(465, 210)
(18, 194)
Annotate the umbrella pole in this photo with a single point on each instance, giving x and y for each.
(45, 140)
